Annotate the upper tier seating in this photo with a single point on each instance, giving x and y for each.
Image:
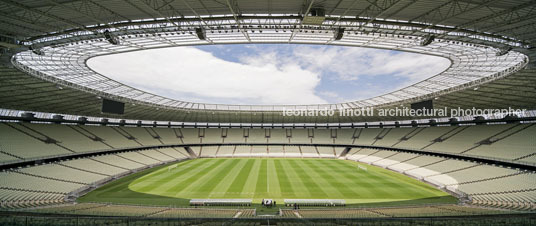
(177, 153)
(139, 157)
(19, 145)
(190, 136)
(513, 142)
(465, 138)
(167, 135)
(367, 136)
(278, 136)
(212, 136)
(256, 136)
(69, 137)
(113, 136)
(115, 160)
(322, 136)
(142, 135)
(156, 154)
(235, 136)
(345, 136)
(422, 137)
(91, 165)
(392, 136)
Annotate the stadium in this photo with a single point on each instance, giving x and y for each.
(79, 147)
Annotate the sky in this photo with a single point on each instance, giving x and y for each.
(266, 74)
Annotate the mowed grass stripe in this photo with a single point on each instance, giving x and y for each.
(301, 189)
(324, 183)
(180, 184)
(160, 174)
(220, 190)
(369, 181)
(165, 179)
(342, 179)
(273, 180)
(251, 184)
(332, 180)
(284, 183)
(316, 189)
(261, 188)
(356, 179)
(204, 183)
(223, 177)
(241, 178)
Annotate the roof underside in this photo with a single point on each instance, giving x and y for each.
(30, 18)
(470, 26)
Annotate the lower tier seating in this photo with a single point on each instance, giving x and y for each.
(50, 184)
(483, 184)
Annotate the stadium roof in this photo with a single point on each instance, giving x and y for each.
(488, 42)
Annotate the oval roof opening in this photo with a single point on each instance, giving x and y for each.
(268, 74)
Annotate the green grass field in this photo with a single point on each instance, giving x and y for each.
(267, 178)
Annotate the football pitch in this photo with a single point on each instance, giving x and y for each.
(259, 178)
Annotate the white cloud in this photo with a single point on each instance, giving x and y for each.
(292, 74)
(351, 63)
(187, 73)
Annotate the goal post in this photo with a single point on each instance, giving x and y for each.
(361, 167)
(172, 167)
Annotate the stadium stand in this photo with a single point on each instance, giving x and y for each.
(196, 150)
(242, 150)
(234, 136)
(256, 136)
(323, 136)
(20, 145)
(90, 165)
(226, 151)
(25, 182)
(115, 160)
(66, 128)
(328, 152)
(485, 184)
(392, 137)
(345, 136)
(142, 135)
(16, 199)
(278, 136)
(309, 152)
(292, 151)
(276, 151)
(190, 136)
(259, 151)
(70, 138)
(212, 136)
(138, 157)
(157, 155)
(209, 151)
(60, 172)
(112, 136)
(166, 135)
